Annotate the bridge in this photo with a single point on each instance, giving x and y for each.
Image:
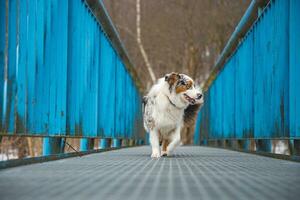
(64, 74)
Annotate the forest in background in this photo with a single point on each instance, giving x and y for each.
(185, 36)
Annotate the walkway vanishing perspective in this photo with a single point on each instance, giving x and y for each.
(76, 81)
(192, 173)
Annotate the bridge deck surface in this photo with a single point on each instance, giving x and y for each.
(192, 173)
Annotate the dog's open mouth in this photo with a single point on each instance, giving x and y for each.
(189, 99)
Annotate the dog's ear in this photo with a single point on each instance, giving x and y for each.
(172, 78)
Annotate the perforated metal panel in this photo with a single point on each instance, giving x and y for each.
(192, 173)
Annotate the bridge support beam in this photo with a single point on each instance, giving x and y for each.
(131, 142)
(203, 142)
(116, 143)
(147, 139)
(248, 145)
(264, 145)
(140, 142)
(103, 144)
(86, 144)
(294, 146)
(125, 143)
(53, 145)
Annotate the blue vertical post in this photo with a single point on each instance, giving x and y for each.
(130, 142)
(140, 142)
(116, 143)
(103, 144)
(124, 142)
(246, 145)
(264, 145)
(86, 144)
(52, 145)
(2, 55)
(294, 146)
(147, 138)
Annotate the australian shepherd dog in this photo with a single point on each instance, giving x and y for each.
(170, 103)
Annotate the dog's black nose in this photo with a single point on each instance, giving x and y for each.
(199, 96)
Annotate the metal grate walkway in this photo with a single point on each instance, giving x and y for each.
(193, 173)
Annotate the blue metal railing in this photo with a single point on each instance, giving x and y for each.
(254, 97)
(64, 73)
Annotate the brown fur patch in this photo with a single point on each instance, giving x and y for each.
(183, 88)
(164, 144)
(172, 78)
(189, 84)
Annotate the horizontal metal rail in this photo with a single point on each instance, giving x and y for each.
(240, 31)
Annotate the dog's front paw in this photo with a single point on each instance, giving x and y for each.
(155, 154)
(164, 153)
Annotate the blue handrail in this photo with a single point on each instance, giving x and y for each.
(64, 73)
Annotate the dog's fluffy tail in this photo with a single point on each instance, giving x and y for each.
(190, 114)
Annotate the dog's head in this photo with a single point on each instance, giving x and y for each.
(183, 90)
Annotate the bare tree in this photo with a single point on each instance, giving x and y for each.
(139, 40)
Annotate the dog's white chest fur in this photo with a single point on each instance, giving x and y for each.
(167, 117)
(160, 113)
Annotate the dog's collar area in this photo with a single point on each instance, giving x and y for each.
(173, 104)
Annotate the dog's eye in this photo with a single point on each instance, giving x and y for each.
(182, 82)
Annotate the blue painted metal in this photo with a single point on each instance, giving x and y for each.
(86, 144)
(256, 94)
(294, 69)
(64, 75)
(53, 145)
(116, 143)
(103, 143)
(140, 142)
(2, 56)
